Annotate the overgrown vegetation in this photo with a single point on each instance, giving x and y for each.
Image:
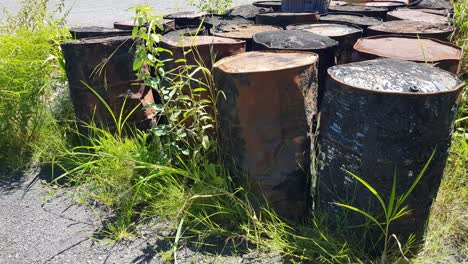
(173, 173)
(30, 73)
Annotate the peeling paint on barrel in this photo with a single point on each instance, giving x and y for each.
(269, 97)
(382, 117)
(114, 82)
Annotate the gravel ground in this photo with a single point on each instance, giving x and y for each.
(38, 228)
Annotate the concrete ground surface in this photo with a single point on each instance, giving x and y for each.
(36, 227)
(106, 12)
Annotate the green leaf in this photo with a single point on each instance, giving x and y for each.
(391, 202)
(367, 215)
(137, 63)
(371, 189)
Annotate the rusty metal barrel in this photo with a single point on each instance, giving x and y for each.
(166, 24)
(91, 32)
(338, 3)
(382, 118)
(355, 19)
(370, 11)
(248, 11)
(389, 5)
(439, 53)
(263, 124)
(301, 40)
(242, 32)
(417, 15)
(345, 34)
(187, 19)
(284, 19)
(411, 28)
(105, 65)
(274, 5)
(213, 21)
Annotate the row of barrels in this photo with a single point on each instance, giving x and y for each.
(378, 104)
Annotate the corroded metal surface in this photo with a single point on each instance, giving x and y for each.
(442, 54)
(389, 5)
(275, 5)
(113, 82)
(269, 96)
(243, 32)
(285, 19)
(319, 6)
(416, 15)
(211, 21)
(433, 4)
(379, 118)
(187, 19)
(90, 32)
(248, 11)
(304, 41)
(166, 24)
(412, 28)
(345, 34)
(338, 3)
(355, 19)
(187, 32)
(370, 11)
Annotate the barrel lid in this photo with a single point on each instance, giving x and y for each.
(338, 3)
(327, 29)
(188, 31)
(265, 61)
(187, 15)
(289, 14)
(98, 40)
(395, 76)
(408, 48)
(411, 27)
(359, 20)
(242, 31)
(417, 15)
(387, 4)
(96, 29)
(357, 8)
(248, 11)
(129, 24)
(193, 41)
(276, 5)
(217, 20)
(406, 2)
(294, 40)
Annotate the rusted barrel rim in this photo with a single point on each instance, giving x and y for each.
(345, 85)
(241, 25)
(408, 37)
(94, 40)
(361, 30)
(228, 41)
(306, 53)
(387, 33)
(336, 44)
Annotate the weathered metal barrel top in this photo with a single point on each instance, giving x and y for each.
(389, 5)
(264, 124)
(248, 11)
(331, 30)
(355, 19)
(394, 76)
(284, 19)
(409, 48)
(188, 18)
(189, 31)
(338, 3)
(167, 24)
(242, 31)
(412, 28)
(196, 41)
(416, 15)
(379, 12)
(89, 32)
(275, 5)
(294, 40)
(211, 21)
